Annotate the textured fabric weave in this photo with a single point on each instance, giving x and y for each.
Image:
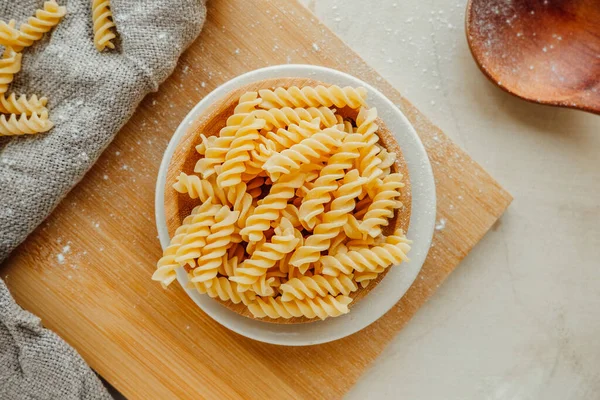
(91, 96)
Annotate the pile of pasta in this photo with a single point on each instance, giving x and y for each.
(26, 114)
(292, 203)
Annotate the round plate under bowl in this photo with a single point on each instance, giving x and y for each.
(397, 280)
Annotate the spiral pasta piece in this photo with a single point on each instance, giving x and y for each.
(22, 104)
(284, 138)
(44, 20)
(314, 201)
(286, 116)
(242, 202)
(25, 125)
(258, 157)
(333, 222)
(266, 255)
(322, 307)
(317, 286)
(357, 244)
(368, 162)
(221, 235)
(383, 205)
(313, 97)
(191, 244)
(337, 244)
(262, 287)
(291, 213)
(205, 143)
(202, 189)
(166, 266)
(387, 160)
(365, 277)
(10, 64)
(269, 209)
(239, 153)
(216, 153)
(224, 289)
(104, 26)
(366, 259)
(307, 151)
(8, 33)
(229, 263)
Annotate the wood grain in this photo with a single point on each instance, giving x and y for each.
(213, 119)
(542, 51)
(156, 344)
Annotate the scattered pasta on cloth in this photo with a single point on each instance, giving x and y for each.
(292, 202)
(27, 115)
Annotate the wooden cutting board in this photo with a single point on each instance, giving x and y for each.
(86, 270)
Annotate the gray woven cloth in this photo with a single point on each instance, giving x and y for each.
(91, 96)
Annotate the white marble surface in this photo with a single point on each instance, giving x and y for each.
(520, 317)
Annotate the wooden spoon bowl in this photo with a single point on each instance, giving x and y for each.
(178, 206)
(544, 51)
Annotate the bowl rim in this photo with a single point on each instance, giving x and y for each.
(398, 280)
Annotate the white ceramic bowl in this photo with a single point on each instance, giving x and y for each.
(396, 282)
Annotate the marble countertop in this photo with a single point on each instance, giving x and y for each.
(520, 317)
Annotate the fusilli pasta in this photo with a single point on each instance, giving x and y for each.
(333, 221)
(221, 235)
(10, 64)
(25, 125)
(225, 290)
(104, 26)
(366, 259)
(166, 266)
(267, 255)
(383, 205)
(313, 97)
(307, 151)
(317, 286)
(239, 153)
(202, 189)
(190, 246)
(368, 162)
(34, 29)
(294, 134)
(8, 33)
(321, 307)
(269, 209)
(286, 116)
(314, 201)
(22, 104)
(294, 196)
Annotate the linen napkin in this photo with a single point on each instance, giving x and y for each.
(91, 96)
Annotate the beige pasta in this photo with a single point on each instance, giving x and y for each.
(313, 97)
(34, 29)
(166, 266)
(104, 26)
(294, 197)
(22, 105)
(319, 307)
(25, 125)
(10, 64)
(9, 34)
(317, 286)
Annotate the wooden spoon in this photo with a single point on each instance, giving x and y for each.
(544, 51)
(178, 206)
